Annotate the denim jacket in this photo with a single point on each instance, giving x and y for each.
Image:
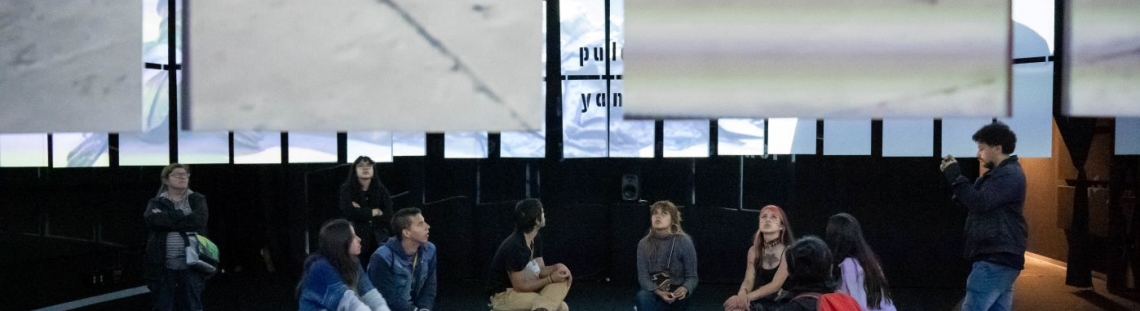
(391, 271)
(323, 289)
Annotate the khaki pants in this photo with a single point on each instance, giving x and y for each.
(550, 297)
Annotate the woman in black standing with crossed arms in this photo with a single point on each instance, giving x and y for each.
(366, 203)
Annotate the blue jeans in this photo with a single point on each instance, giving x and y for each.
(648, 301)
(990, 287)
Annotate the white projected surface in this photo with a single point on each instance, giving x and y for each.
(79, 150)
(1103, 64)
(310, 147)
(846, 137)
(252, 147)
(465, 145)
(1033, 109)
(375, 145)
(740, 137)
(409, 144)
(1037, 15)
(908, 137)
(403, 65)
(957, 136)
(200, 147)
(583, 120)
(70, 66)
(23, 150)
(628, 138)
(686, 138)
(813, 58)
(523, 144)
(791, 136)
(151, 148)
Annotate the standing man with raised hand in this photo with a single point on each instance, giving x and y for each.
(518, 278)
(404, 268)
(995, 224)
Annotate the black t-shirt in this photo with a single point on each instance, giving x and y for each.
(512, 256)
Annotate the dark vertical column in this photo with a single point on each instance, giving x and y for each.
(553, 83)
(172, 79)
(341, 147)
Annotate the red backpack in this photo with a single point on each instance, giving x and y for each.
(832, 301)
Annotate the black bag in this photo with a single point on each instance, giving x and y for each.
(662, 279)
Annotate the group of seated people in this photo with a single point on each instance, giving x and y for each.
(782, 273)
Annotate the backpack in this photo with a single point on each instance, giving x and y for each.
(832, 301)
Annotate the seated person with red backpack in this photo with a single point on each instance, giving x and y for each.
(810, 279)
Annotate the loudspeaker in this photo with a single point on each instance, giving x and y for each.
(630, 187)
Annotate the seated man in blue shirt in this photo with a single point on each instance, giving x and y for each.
(403, 269)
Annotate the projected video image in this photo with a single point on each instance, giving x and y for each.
(79, 150)
(686, 138)
(23, 150)
(309, 147)
(470, 145)
(252, 147)
(1103, 63)
(523, 144)
(740, 137)
(409, 144)
(375, 145)
(628, 138)
(795, 58)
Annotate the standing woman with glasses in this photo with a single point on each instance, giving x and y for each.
(366, 203)
(169, 216)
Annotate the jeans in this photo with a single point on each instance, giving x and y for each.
(179, 290)
(989, 287)
(649, 301)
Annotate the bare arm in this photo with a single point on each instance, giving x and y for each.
(749, 273)
(525, 282)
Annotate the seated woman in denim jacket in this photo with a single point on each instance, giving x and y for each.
(333, 278)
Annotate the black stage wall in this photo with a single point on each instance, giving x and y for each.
(259, 214)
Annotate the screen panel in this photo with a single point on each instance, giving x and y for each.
(686, 139)
(312, 147)
(375, 145)
(1102, 64)
(23, 150)
(80, 150)
(257, 147)
(458, 65)
(814, 58)
(70, 66)
(465, 145)
(908, 137)
(791, 136)
(846, 137)
(740, 136)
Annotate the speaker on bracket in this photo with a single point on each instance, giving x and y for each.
(630, 187)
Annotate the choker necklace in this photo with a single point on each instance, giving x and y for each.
(771, 244)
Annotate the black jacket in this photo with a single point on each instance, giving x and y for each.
(371, 230)
(169, 220)
(995, 226)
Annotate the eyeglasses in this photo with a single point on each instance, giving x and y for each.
(180, 175)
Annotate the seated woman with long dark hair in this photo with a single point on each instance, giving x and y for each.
(863, 278)
(333, 278)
